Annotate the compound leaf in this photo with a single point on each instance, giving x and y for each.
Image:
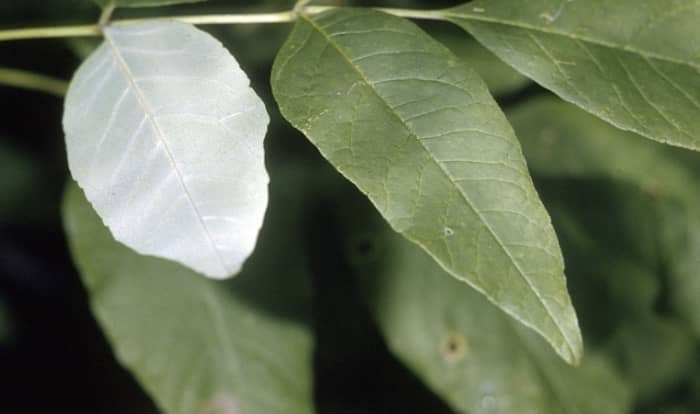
(165, 136)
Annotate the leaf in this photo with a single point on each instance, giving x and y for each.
(559, 140)
(417, 131)
(204, 346)
(609, 234)
(500, 78)
(628, 62)
(466, 351)
(143, 3)
(656, 354)
(680, 243)
(165, 136)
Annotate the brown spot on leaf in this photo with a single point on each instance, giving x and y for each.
(222, 403)
(454, 347)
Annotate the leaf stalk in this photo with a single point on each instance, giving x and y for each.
(206, 19)
(29, 80)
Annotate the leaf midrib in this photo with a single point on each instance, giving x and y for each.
(466, 198)
(451, 14)
(126, 71)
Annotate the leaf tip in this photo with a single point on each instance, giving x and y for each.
(572, 349)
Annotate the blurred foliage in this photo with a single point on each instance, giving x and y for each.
(626, 210)
(18, 180)
(223, 342)
(464, 348)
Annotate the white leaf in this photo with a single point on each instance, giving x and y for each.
(165, 136)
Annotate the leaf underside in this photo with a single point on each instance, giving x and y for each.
(631, 63)
(198, 345)
(165, 136)
(417, 131)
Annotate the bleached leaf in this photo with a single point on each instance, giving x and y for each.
(165, 136)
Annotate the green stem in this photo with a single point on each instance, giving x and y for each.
(107, 13)
(34, 81)
(279, 17)
(49, 32)
(407, 13)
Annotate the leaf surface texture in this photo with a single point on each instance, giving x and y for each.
(462, 347)
(198, 345)
(416, 130)
(634, 64)
(165, 136)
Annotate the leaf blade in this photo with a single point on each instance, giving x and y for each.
(394, 77)
(639, 75)
(500, 78)
(457, 343)
(561, 140)
(182, 136)
(199, 345)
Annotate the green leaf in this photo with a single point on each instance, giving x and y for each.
(198, 345)
(680, 242)
(82, 47)
(631, 63)
(609, 234)
(560, 140)
(142, 3)
(165, 135)
(655, 354)
(416, 130)
(462, 347)
(500, 78)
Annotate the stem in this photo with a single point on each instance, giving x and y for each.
(50, 32)
(106, 14)
(407, 13)
(279, 17)
(34, 81)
